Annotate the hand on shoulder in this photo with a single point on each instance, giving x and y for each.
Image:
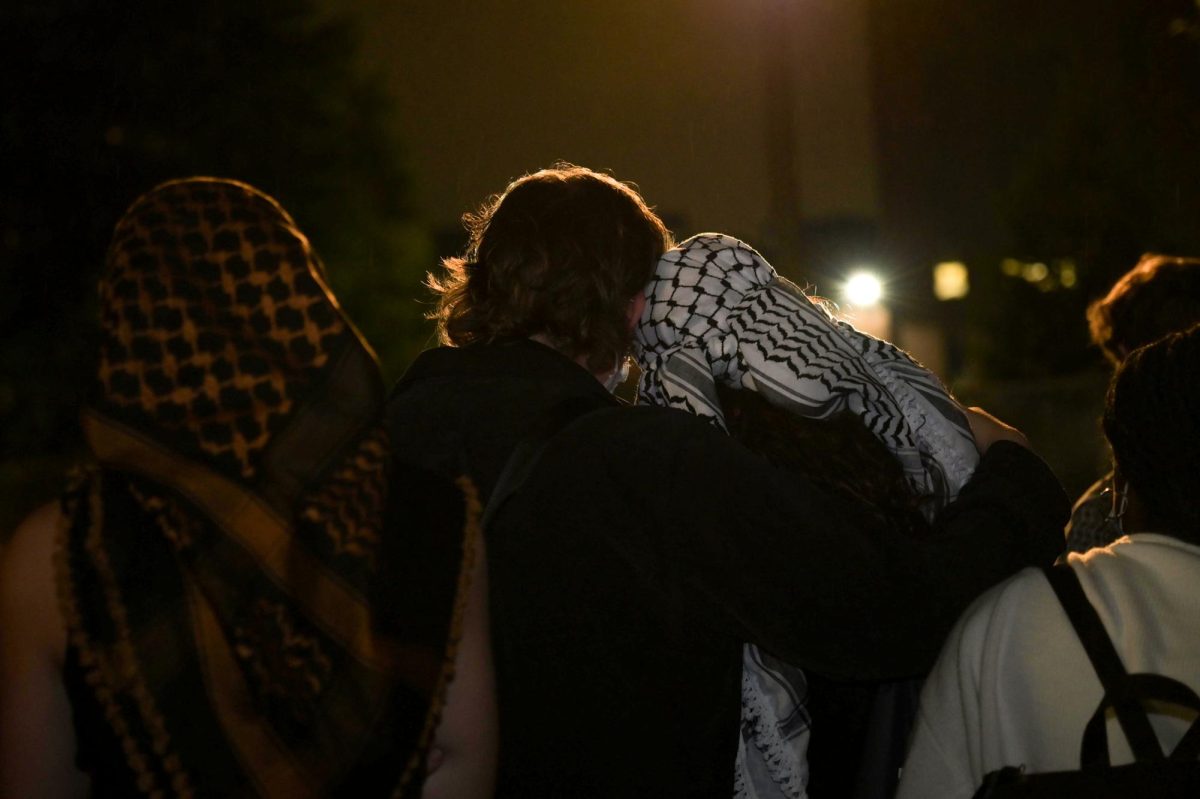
(987, 430)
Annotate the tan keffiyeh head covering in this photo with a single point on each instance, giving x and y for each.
(262, 598)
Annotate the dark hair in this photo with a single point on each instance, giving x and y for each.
(1152, 422)
(1160, 295)
(559, 253)
(839, 454)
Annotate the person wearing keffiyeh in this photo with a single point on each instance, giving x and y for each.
(257, 596)
(717, 315)
(643, 547)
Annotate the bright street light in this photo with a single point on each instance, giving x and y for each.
(863, 289)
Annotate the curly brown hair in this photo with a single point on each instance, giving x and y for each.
(1160, 295)
(1152, 422)
(838, 454)
(559, 253)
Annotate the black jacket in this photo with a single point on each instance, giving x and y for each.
(647, 546)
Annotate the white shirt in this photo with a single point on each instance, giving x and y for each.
(1013, 685)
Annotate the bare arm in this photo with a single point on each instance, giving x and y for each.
(37, 740)
(462, 762)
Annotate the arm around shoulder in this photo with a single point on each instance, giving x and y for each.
(819, 581)
(1008, 516)
(1015, 486)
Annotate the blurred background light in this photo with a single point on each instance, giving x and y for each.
(863, 289)
(1067, 275)
(1035, 272)
(951, 280)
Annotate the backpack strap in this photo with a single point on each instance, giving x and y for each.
(1146, 688)
(1188, 747)
(526, 454)
(1119, 690)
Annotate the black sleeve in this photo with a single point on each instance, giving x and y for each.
(821, 583)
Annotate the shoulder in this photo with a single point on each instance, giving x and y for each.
(1138, 559)
(645, 437)
(627, 422)
(1141, 575)
(637, 417)
(1138, 550)
(1009, 610)
(1015, 596)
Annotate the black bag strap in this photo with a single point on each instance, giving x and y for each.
(1178, 775)
(1159, 780)
(1188, 747)
(1145, 687)
(998, 783)
(526, 454)
(1119, 691)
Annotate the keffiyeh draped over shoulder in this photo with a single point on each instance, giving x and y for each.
(261, 597)
(718, 313)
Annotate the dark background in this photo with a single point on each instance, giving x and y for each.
(830, 133)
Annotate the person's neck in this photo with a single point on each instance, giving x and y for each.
(582, 360)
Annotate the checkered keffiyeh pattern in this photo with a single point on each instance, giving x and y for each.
(716, 311)
(1091, 522)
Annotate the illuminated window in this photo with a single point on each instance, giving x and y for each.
(1036, 272)
(1067, 275)
(1061, 273)
(951, 281)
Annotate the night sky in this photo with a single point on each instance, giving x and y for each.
(669, 94)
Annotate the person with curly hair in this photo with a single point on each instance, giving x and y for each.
(644, 546)
(1014, 685)
(1160, 295)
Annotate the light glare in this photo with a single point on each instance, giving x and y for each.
(863, 289)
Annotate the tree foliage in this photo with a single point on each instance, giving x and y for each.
(104, 100)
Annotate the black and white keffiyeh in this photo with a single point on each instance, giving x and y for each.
(716, 311)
